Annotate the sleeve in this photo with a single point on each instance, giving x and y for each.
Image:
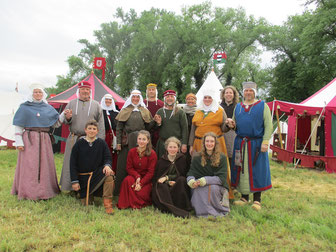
(18, 136)
(267, 124)
(192, 135)
(61, 119)
(101, 124)
(151, 169)
(74, 163)
(129, 165)
(184, 127)
(182, 165)
(119, 131)
(224, 127)
(107, 155)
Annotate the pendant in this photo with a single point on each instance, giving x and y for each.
(38, 114)
(246, 106)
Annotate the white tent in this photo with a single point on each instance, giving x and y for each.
(212, 83)
(9, 103)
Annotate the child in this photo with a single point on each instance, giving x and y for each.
(91, 168)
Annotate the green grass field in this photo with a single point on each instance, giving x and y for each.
(298, 214)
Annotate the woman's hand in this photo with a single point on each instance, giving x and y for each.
(162, 179)
(20, 148)
(184, 148)
(171, 183)
(191, 150)
(76, 187)
(108, 171)
(230, 123)
(264, 147)
(196, 184)
(118, 147)
(158, 119)
(137, 186)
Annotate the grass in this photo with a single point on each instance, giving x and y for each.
(298, 215)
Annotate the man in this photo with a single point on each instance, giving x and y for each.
(91, 168)
(77, 113)
(171, 121)
(250, 171)
(153, 104)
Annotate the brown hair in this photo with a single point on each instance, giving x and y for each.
(91, 122)
(174, 140)
(235, 94)
(148, 149)
(215, 155)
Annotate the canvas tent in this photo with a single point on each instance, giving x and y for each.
(99, 89)
(311, 124)
(59, 101)
(212, 83)
(9, 103)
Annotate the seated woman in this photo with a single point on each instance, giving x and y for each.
(135, 190)
(170, 190)
(207, 178)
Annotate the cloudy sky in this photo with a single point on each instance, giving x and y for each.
(37, 36)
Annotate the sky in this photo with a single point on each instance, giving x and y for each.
(37, 36)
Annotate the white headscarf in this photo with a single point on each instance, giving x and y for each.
(213, 106)
(33, 86)
(129, 101)
(107, 108)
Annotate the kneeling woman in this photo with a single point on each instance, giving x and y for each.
(207, 178)
(170, 190)
(135, 190)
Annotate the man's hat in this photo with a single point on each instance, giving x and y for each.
(250, 84)
(84, 84)
(151, 85)
(169, 92)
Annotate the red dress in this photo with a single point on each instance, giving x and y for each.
(136, 167)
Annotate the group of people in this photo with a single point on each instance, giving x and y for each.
(149, 152)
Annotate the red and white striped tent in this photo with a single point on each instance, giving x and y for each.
(302, 121)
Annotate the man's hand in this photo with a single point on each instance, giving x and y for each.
(108, 171)
(68, 114)
(76, 187)
(184, 148)
(230, 123)
(20, 148)
(264, 147)
(118, 147)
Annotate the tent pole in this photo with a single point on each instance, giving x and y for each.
(295, 143)
(279, 133)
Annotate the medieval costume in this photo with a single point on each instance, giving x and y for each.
(82, 112)
(87, 162)
(153, 107)
(172, 199)
(131, 119)
(138, 166)
(208, 199)
(35, 174)
(110, 112)
(210, 119)
(250, 171)
(173, 123)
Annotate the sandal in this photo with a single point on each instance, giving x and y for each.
(256, 205)
(241, 202)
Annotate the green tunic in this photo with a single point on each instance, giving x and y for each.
(176, 126)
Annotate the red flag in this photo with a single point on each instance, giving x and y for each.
(99, 63)
(219, 57)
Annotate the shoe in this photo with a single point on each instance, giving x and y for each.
(108, 206)
(241, 202)
(256, 205)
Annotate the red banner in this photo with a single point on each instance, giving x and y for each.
(99, 63)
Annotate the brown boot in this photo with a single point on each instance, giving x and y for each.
(108, 206)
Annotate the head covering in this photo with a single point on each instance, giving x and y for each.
(213, 107)
(191, 95)
(250, 84)
(129, 100)
(165, 94)
(33, 86)
(107, 108)
(84, 84)
(169, 92)
(149, 86)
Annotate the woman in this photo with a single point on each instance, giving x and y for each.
(135, 190)
(230, 97)
(35, 174)
(133, 117)
(170, 190)
(207, 178)
(209, 117)
(110, 112)
(190, 109)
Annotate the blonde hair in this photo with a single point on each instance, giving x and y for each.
(215, 155)
(235, 94)
(174, 140)
(148, 149)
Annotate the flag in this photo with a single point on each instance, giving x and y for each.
(99, 63)
(219, 57)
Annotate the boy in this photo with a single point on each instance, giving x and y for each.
(91, 168)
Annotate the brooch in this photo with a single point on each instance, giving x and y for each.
(38, 114)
